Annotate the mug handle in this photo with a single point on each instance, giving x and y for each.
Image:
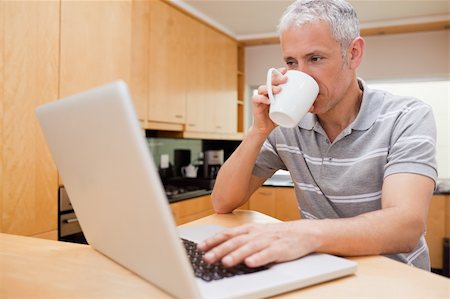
(183, 171)
(269, 83)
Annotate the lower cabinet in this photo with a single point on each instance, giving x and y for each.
(191, 209)
(277, 202)
(438, 228)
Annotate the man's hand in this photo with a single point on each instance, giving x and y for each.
(259, 244)
(261, 102)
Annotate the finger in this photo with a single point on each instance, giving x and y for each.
(263, 257)
(277, 252)
(222, 250)
(213, 241)
(262, 90)
(282, 70)
(278, 79)
(222, 237)
(260, 99)
(243, 252)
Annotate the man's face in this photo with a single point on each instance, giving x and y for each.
(312, 49)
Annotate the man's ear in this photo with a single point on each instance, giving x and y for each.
(355, 52)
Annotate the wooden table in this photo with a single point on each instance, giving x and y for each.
(36, 268)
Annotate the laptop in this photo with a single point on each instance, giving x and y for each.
(109, 174)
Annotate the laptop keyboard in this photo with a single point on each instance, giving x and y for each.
(216, 270)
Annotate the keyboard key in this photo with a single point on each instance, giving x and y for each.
(216, 270)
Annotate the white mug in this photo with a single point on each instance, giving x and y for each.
(297, 95)
(189, 171)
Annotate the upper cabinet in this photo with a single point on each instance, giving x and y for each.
(212, 85)
(167, 64)
(190, 70)
(95, 43)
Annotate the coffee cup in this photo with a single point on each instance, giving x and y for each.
(189, 171)
(297, 95)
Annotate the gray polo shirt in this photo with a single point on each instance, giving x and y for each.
(391, 134)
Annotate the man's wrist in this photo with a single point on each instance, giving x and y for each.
(257, 134)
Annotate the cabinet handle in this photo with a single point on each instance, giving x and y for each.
(71, 220)
(265, 193)
(178, 116)
(218, 127)
(191, 125)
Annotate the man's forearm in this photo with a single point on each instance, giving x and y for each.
(378, 232)
(231, 188)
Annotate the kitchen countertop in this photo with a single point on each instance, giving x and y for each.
(442, 187)
(283, 179)
(189, 195)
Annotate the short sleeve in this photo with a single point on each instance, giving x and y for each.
(413, 142)
(268, 161)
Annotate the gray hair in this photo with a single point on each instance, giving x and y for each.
(339, 14)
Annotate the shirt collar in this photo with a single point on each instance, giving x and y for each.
(371, 105)
(368, 113)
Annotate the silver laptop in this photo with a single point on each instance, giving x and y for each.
(103, 158)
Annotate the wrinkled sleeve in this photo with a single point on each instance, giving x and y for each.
(268, 160)
(413, 143)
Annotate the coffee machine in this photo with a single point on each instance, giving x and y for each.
(212, 161)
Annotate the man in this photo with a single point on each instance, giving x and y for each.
(363, 162)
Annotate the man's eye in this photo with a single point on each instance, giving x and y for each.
(316, 58)
(290, 63)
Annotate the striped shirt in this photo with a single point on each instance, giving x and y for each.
(391, 134)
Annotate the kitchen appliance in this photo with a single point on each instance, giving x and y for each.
(212, 161)
(69, 229)
(181, 158)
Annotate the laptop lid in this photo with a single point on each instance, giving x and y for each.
(109, 175)
(95, 140)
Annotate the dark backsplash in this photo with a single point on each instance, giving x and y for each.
(159, 146)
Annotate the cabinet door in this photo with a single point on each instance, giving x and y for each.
(263, 200)
(286, 204)
(191, 209)
(212, 86)
(29, 45)
(197, 107)
(140, 43)
(95, 43)
(436, 229)
(225, 99)
(167, 71)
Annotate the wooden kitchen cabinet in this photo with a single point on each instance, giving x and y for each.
(187, 71)
(29, 51)
(212, 85)
(278, 202)
(438, 227)
(199, 64)
(263, 200)
(95, 44)
(225, 89)
(191, 209)
(286, 205)
(167, 64)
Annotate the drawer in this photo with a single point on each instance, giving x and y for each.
(69, 224)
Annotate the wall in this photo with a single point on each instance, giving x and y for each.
(413, 55)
